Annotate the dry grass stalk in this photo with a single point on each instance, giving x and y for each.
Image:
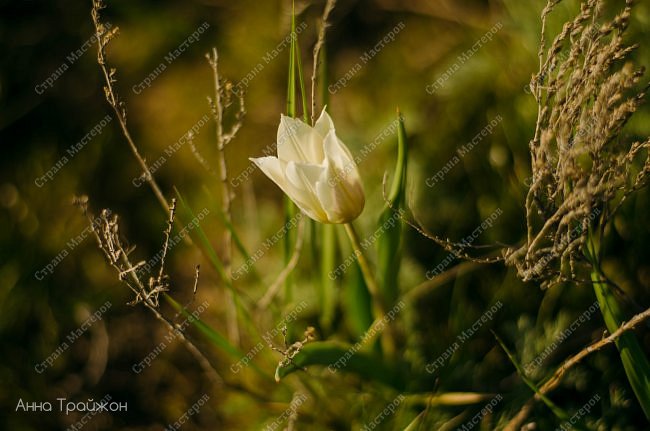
(109, 239)
(104, 36)
(329, 6)
(582, 168)
(553, 382)
(222, 95)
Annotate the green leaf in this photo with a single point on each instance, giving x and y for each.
(634, 359)
(211, 334)
(327, 353)
(389, 246)
(186, 215)
(358, 302)
(235, 236)
(635, 362)
(557, 411)
(199, 235)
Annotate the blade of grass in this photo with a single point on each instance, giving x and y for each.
(211, 334)
(557, 411)
(327, 294)
(291, 85)
(323, 73)
(635, 362)
(235, 236)
(357, 299)
(290, 210)
(214, 336)
(633, 358)
(443, 399)
(205, 246)
(389, 248)
(417, 422)
(186, 214)
(328, 231)
(301, 78)
(358, 302)
(448, 399)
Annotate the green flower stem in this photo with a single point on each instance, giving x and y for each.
(290, 212)
(289, 207)
(327, 284)
(365, 266)
(379, 310)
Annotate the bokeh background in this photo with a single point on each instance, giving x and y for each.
(38, 124)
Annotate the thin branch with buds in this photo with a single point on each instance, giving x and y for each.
(106, 231)
(455, 248)
(104, 36)
(291, 350)
(221, 95)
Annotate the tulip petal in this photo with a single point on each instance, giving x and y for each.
(340, 158)
(298, 142)
(326, 191)
(341, 201)
(324, 124)
(275, 169)
(303, 178)
(272, 168)
(341, 194)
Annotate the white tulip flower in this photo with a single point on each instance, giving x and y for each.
(316, 170)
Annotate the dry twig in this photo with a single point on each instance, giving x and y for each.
(221, 98)
(455, 248)
(553, 382)
(317, 49)
(106, 230)
(104, 36)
